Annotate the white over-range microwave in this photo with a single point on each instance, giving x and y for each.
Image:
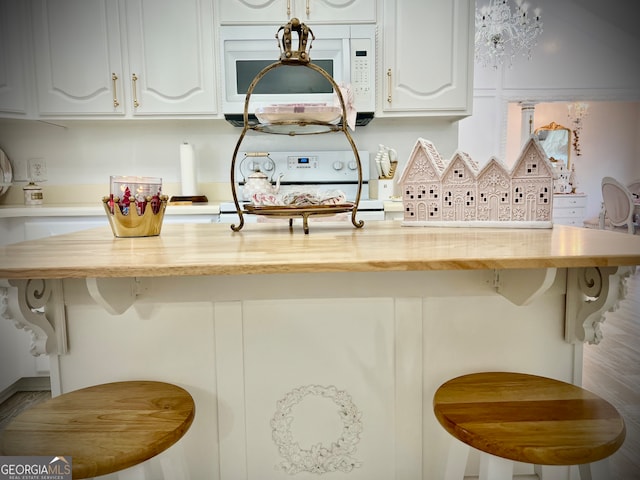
(346, 52)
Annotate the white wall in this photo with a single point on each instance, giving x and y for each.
(580, 56)
(15, 360)
(88, 152)
(609, 142)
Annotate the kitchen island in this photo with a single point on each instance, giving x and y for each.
(314, 353)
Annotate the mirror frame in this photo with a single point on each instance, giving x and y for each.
(552, 127)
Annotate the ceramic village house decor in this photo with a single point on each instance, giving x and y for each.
(436, 192)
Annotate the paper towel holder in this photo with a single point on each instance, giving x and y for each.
(187, 199)
(178, 199)
(187, 168)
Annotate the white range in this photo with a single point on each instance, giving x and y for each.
(320, 171)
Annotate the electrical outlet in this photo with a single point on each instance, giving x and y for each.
(36, 170)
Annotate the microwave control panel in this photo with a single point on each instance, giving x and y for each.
(362, 74)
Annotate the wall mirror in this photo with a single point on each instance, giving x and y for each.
(556, 141)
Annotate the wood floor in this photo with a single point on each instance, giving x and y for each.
(19, 402)
(611, 369)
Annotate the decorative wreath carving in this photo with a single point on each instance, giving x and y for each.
(319, 458)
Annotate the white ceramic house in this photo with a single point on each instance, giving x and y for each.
(457, 192)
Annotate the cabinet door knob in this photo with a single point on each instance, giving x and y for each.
(389, 86)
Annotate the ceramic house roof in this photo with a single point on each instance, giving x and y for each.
(423, 156)
(494, 174)
(533, 149)
(460, 159)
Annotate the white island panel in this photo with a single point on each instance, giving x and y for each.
(385, 340)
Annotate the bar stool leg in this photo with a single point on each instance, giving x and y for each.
(137, 472)
(174, 464)
(551, 472)
(495, 468)
(456, 460)
(595, 471)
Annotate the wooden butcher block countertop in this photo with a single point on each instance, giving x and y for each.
(213, 249)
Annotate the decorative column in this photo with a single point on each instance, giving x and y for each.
(528, 111)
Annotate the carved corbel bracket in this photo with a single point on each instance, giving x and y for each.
(591, 292)
(115, 295)
(42, 313)
(522, 286)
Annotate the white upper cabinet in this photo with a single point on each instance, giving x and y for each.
(78, 62)
(427, 64)
(80, 51)
(13, 77)
(309, 11)
(336, 11)
(171, 56)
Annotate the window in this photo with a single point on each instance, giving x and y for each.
(519, 195)
(470, 199)
(543, 195)
(408, 193)
(448, 199)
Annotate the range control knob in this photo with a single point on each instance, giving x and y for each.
(267, 166)
(353, 165)
(338, 165)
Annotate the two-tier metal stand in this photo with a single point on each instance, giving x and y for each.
(297, 59)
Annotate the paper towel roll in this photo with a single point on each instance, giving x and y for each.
(188, 170)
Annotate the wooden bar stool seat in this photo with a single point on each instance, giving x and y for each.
(527, 418)
(104, 428)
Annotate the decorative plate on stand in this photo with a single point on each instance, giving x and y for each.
(6, 173)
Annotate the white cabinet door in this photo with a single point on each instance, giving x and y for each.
(13, 96)
(428, 57)
(245, 12)
(309, 11)
(301, 376)
(171, 56)
(78, 63)
(335, 11)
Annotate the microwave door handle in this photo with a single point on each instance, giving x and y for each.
(346, 61)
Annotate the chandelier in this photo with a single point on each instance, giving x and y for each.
(501, 34)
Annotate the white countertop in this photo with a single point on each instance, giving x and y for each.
(92, 210)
